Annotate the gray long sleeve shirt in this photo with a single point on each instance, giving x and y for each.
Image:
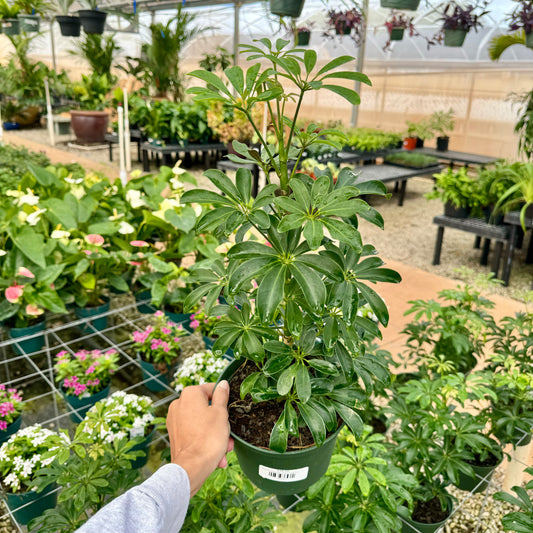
(158, 505)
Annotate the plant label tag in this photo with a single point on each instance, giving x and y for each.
(136, 432)
(285, 476)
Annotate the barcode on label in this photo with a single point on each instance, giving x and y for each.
(283, 475)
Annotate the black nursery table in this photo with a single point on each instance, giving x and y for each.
(170, 152)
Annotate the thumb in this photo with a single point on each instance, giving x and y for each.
(221, 394)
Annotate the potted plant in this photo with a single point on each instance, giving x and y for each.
(29, 16)
(10, 412)
(411, 5)
(287, 343)
(28, 293)
(69, 25)
(8, 17)
(348, 21)
(522, 19)
(21, 458)
(84, 377)
(421, 131)
(158, 348)
(458, 21)
(396, 25)
(519, 521)
(287, 8)
(442, 122)
(450, 336)
(458, 191)
(302, 35)
(123, 416)
(90, 122)
(199, 368)
(411, 160)
(205, 325)
(92, 19)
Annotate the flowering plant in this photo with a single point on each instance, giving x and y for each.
(204, 324)
(456, 17)
(10, 406)
(85, 372)
(199, 368)
(21, 457)
(120, 416)
(160, 342)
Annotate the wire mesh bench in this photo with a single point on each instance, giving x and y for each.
(499, 233)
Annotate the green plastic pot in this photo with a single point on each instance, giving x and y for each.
(412, 526)
(411, 5)
(144, 308)
(10, 27)
(92, 315)
(396, 34)
(281, 473)
(480, 481)
(154, 380)
(10, 429)
(29, 23)
(286, 8)
(35, 503)
(302, 38)
(529, 39)
(143, 446)
(180, 318)
(454, 37)
(31, 345)
(80, 406)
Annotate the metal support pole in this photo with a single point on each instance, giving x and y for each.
(360, 64)
(236, 32)
(50, 115)
(53, 44)
(127, 136)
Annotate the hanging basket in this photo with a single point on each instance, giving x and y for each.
(396, 34)
(11, 429)
(27, 346)
(411, 5)
(286, 8)
(69, 26)
(26, 506)
(302, 38)
(92, 20)
(80, 406)
(454, 37)
(29, 23)
(10, 26)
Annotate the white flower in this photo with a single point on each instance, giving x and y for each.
(28, 199)
(177, 170)
(176, 183)
(164, 206)
(125, 228)
(60, 234)
(116, 215)
(15, 194)
(22, 216)
(72, 180)
(197, 209)
(2, 252)
(78, 191)
(34, 217)
(134, 198)
(12, 481)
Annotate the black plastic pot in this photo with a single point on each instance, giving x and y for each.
(286, 8)
(419, 142)
(455, 212)
(400, 4)
(396, 34)
(481, 479)
(454, 37)
(69, 26)
(92, 20)
(443, 143)
(29, 23)
(281, 473)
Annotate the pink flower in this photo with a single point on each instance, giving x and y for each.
(81, 355)
(33, 310)
(2, 387)
(6, 408)
(95, 239)
(90, 370)
(166, 331)
(194, 324)
(93, 382)
(140, 244)
(3, 425)
(135, 263)
(165, 346)
(79, 388)
(158, 313)
(23, 271)
(62, 353)
(14, 293)
(176, 339)
(87, 252)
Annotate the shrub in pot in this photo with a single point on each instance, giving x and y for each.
(458, 20)
(521, 520)
(421, 131)
(449, 335)
(348, 21)
(295, 332)
(442, 122)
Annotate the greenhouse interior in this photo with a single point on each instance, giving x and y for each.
(242, 286)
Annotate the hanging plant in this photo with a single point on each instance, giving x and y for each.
(396, 25)
(522, 19)
(411, 5)
(458, 21)
(346, 22)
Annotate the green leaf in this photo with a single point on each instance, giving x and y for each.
(347, 94)
(60, 211)
(200, 196)
(236, 77)
(376, 303)
(243, 180)
(313, 232)
(323, 366)
(270, 292)
(184, 221)
(211, 79)
(301, 193)
(291, 419)
(292, 221)
(279, 435)
(310, 58)
(337, 62)
(349, 75)
(214, 218)
(348, 480)
(303, 383)
(352, 419)
(31, 244)
(286, 380)
(343, 232)
(103, 228)
(294, 318)
(311, 284)
(248, 383)
(314, 422)
(259, 218)
(220, 180)
(363, 483)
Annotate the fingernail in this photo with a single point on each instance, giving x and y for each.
(224, 384)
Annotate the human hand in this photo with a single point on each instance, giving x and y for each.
(199, 432)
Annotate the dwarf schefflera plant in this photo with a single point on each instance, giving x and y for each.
(293, 295)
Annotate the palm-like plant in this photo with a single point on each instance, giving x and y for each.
(99, 52)
(519, 521)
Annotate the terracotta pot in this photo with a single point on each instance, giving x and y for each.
(409, 143)
(89, 126)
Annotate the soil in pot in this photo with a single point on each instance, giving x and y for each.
(430, 512)
(378, 425)
(483, 471)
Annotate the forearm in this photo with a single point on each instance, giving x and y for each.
(158, 505)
